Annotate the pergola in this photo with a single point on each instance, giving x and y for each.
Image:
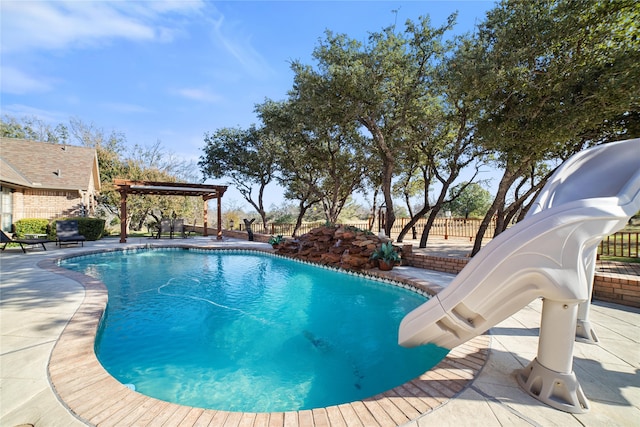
(207, 192)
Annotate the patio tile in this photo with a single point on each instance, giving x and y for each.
(15, 392)
(247, 420)
(28, 362)
(205, 418)
(145, 408)
(39, 408)
(606, 414)
(517, 407)
(606, 310)
(177, 417)
(320, 418)
(475, 408)
(41, 323)
(10, 343)
(149, 417)
(605, 351)
(606, 382)
(335, 416)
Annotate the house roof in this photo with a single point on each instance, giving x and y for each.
(33, 164)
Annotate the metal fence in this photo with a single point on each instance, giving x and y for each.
(445, 227)
(622, 244)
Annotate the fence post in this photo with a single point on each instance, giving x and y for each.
(447, 217)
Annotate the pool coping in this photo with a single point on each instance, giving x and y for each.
(92, 395)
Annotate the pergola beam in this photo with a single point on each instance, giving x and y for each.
(207, 192)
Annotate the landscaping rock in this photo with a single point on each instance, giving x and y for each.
(339, 247)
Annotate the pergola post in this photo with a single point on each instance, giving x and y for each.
(205, 232)
(123, 217)
(219, 235)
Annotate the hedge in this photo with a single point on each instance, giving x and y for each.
(31, 226)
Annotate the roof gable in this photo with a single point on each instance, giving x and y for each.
(44, 165)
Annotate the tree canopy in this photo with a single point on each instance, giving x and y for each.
(556, 75)
(414, 114)
(246, 156)
(403, 112)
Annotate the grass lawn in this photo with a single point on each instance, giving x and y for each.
(620, 259)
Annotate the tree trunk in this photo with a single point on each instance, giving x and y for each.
(412, 222)
(247, 226)
(302, 211)
(427, 228)
(374, 209)
(437, 207)
(508, 178)
(388, 166)
(426, 207)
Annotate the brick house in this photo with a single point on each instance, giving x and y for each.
(43, 180)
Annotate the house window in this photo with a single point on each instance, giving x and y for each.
(6, 208)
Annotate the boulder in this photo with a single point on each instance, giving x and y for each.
(338, 247)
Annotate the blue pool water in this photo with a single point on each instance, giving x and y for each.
(245, 331)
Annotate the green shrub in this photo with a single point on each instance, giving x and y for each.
(91, 228)
(357, 230)
(386, 252)
(276, 240)
(31, 226)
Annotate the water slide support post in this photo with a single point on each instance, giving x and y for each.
(584, 330)
(550, 377)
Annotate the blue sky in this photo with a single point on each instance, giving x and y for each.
(171, 71)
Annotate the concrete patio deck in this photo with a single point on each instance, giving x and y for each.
(36, 306)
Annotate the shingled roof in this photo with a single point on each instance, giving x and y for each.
(32, 164)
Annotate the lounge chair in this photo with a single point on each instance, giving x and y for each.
(5, 238)
(67, 233)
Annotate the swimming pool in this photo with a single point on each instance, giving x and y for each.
(245, 331)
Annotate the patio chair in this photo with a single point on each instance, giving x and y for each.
(67, 233)
(178, 228)
(190, 229)
(6, 239)
(164, 228)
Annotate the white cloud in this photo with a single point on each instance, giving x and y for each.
(34, 25)
(198, 94)
(239, 45)
(18, 82)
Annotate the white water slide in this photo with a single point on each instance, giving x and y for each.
(550, 255)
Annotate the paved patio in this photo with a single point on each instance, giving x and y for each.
(36, 306)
